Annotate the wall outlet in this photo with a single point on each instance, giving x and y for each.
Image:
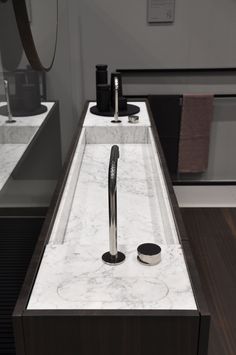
(161, 11)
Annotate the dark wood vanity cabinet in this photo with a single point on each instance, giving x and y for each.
(111, 332)
(74, 333)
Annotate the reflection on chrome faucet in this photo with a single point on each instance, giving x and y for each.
(116, 113)
(113, 256)
(10, 119)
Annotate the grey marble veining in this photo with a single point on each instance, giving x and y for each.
(16, 134)
(27, 120)
(92, 120)
(139, 211)
(116, 134)
(59, 229)
(72, 276)
(162, 190)
(100, 129)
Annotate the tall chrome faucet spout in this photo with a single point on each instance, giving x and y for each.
(6, 87)
(113, 256)
(112, 198)
(116, 112)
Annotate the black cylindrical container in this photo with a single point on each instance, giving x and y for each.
(113, 76)
(103, 97)
(101, 79)
(25, 98)
(101, 74)
(30, 97)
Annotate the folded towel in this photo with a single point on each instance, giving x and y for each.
(197, 114)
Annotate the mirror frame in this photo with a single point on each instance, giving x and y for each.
(23, 24)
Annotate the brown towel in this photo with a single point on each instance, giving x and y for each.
(197, 114)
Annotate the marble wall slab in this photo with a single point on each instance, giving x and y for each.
(10, 134)
(59, 228)
(116, 134)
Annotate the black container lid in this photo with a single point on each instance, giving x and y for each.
(101, 66)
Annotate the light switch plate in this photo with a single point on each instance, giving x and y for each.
(161, 11)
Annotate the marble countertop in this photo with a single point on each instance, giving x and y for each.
(100, 129)
(72, 274)
(27, 120)
(97, 121)
(14, 140)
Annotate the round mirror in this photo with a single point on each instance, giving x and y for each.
(37, 23)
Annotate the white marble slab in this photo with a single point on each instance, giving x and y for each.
(139, 211)
(72, 276)
(17, 134)
(92, 120)
(59, 228)
(117, 134)
(27, 120)
(162, 191)
(100, 129)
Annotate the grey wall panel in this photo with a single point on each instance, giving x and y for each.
(64, 81)
(160, 84)
(117, 33)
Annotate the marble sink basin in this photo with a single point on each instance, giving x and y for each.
(144, 213)
(72, 274)
(73, 258)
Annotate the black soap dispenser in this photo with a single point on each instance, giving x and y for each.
(102, 88)
(105, 95)
(101, 74)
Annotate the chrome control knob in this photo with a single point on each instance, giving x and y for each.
(149, 253)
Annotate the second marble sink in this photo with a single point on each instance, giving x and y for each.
(16, 134)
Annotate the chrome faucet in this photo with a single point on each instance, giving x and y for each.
(10, 119)
(116, 113)
(113, 256)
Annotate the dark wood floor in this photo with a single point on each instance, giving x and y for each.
(212, 234)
